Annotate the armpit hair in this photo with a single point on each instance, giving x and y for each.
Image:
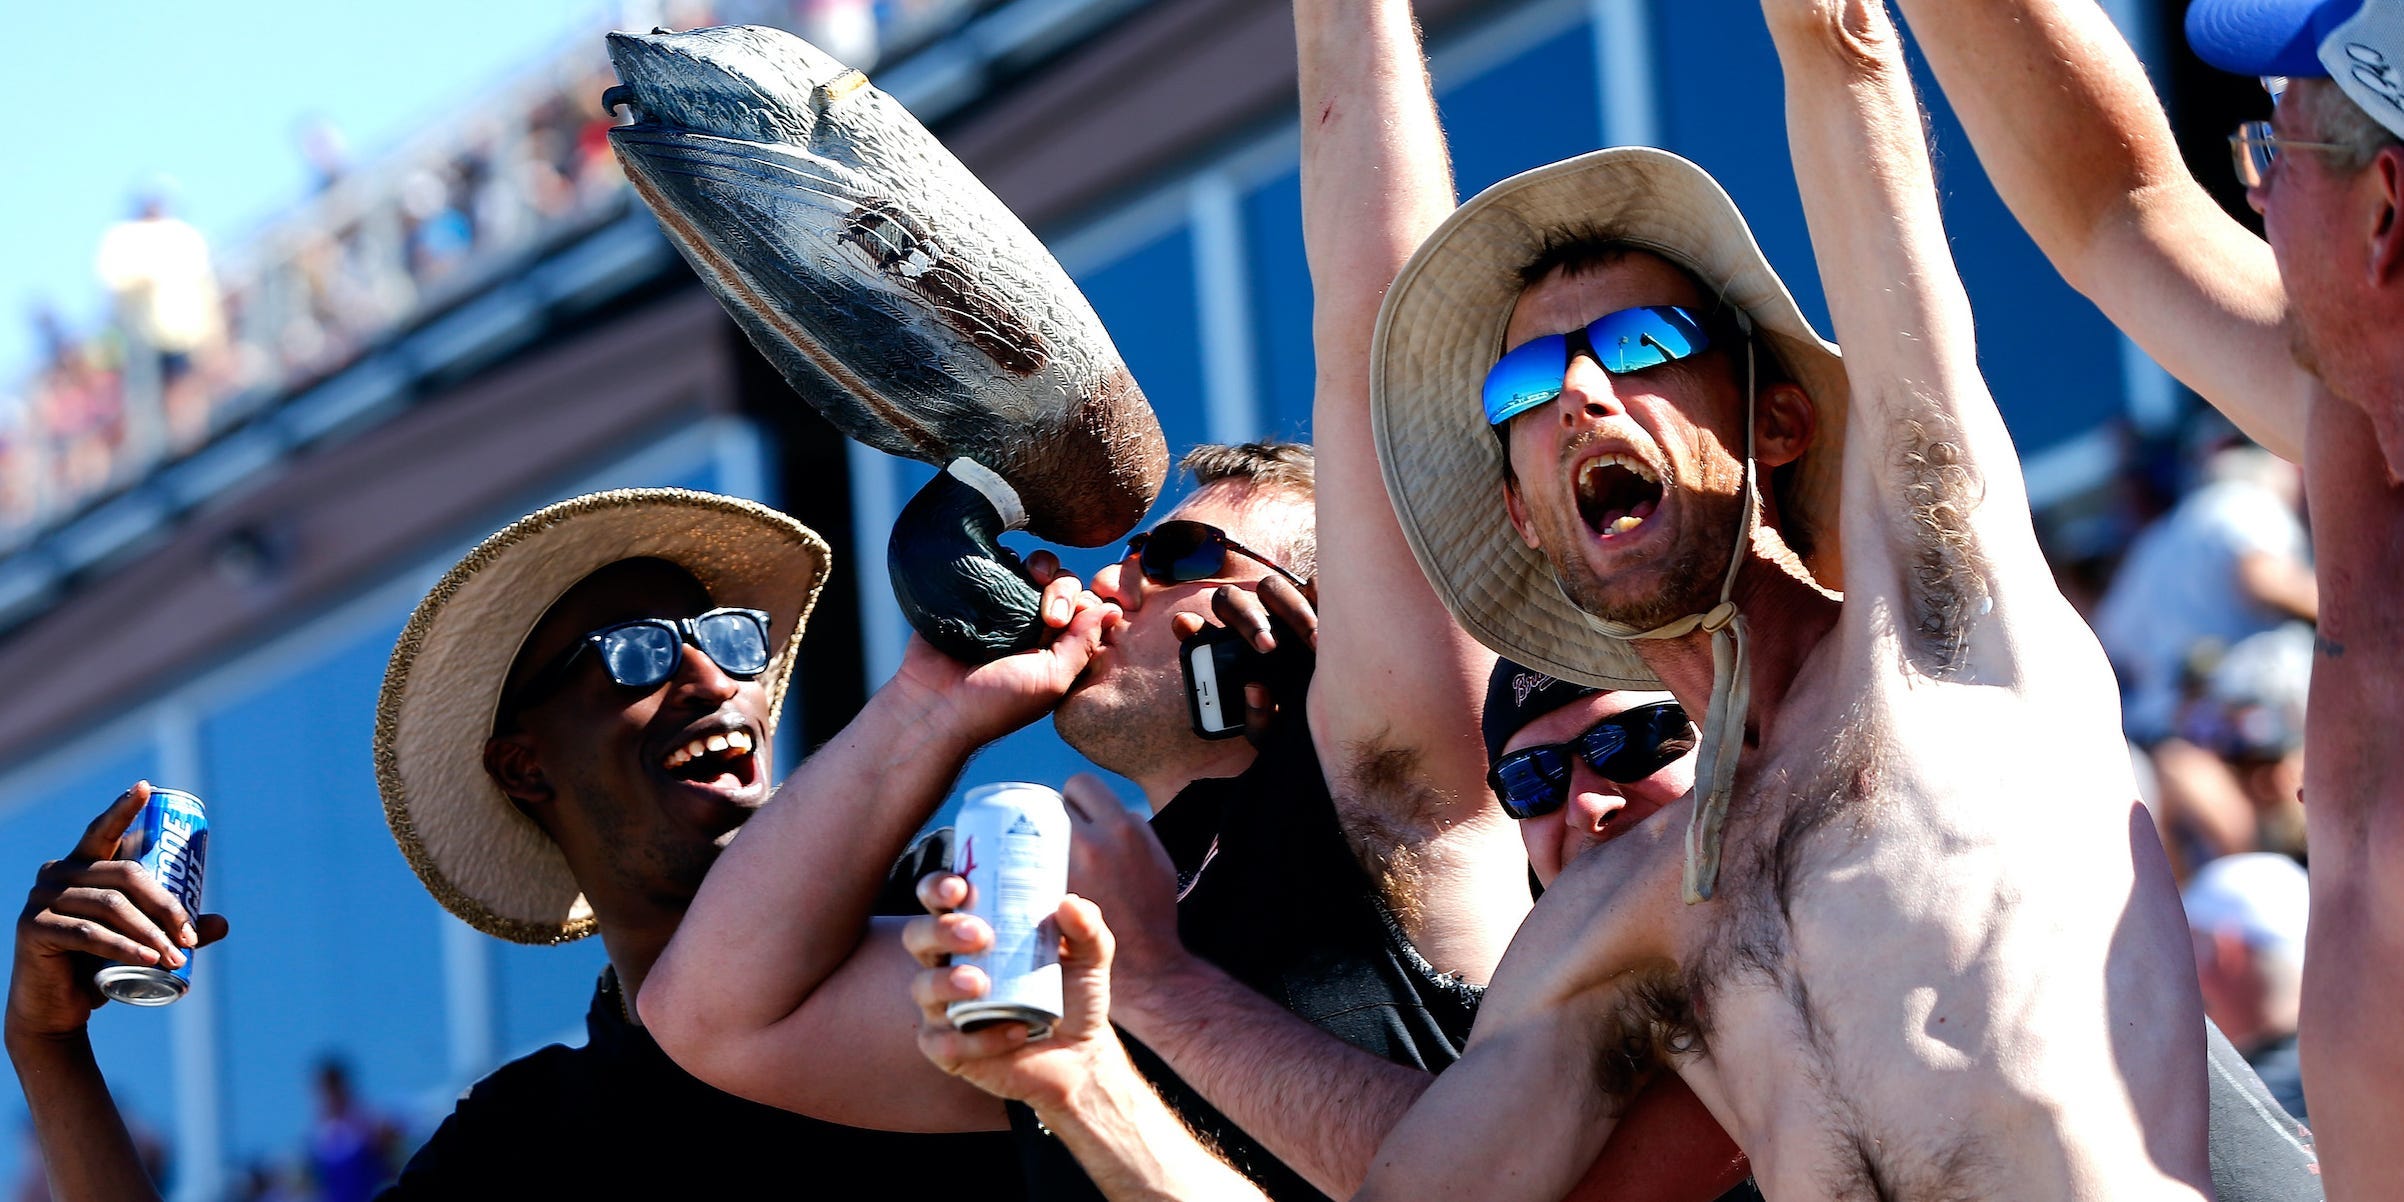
(1654, 1017)
(1388, 812)
(1945, 582)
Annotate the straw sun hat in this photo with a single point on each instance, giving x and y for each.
(1442, 327)
(482, 858)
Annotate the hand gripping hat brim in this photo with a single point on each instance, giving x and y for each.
(478, 854)
(1442, 327)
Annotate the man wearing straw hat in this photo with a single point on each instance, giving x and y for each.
(573, 722)
(1911, 934)
(576, 719)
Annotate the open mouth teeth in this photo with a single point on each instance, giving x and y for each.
(711, 757)
(1616, 493)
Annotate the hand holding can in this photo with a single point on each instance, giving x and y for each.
(1011, 844)
(93, 906)
(169, 839)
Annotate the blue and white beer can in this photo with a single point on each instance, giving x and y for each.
(170, 840)
(1011, 842)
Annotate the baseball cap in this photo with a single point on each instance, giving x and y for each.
(2359, 44)
(1517, 695)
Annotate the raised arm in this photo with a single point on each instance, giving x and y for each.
(84, 908)
(1937, 536)
(1398, 686)
(2075, 140)
(778, 986)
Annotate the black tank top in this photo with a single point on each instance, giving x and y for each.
(1269, 892)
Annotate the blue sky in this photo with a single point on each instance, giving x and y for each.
(105, 95)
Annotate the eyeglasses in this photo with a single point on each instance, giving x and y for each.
(644, 652)
(1630, 340)
(2256, 150)
(1180, 552)
(1624, 748)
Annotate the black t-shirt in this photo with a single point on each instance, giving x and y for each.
(1269, 892)
(2282, 1072)
(617, 1119)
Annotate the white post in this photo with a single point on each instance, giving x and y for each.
(1623, 65)
(1222, 292)
(469, 1028)
(192, 1022)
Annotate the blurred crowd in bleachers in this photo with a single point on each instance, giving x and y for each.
(2195, 569)
(198, 342)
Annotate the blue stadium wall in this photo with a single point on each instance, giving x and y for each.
(1200, 277)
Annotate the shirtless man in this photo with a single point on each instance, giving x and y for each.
(2296, 340)
(1941, 954)
(1919, 972)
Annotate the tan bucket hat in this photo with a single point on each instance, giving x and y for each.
(483, 859)
(1442, 327)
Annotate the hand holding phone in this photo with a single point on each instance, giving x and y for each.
(1222, 659)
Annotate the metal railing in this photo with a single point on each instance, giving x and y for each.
(376, 253)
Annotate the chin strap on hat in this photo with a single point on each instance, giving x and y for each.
(1731, 679)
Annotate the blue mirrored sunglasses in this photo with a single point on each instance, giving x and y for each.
(1630, 340)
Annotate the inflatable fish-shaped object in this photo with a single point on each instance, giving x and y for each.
(903, 300)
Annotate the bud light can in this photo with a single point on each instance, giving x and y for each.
(1011, 842)
(170, 840)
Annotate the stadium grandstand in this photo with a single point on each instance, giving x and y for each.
(486, 319)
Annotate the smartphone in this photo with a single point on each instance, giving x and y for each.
(1218, 663)
(1214, 681)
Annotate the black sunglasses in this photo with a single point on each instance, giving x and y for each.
(1624, 748)
(644, 652)
(1181, 552)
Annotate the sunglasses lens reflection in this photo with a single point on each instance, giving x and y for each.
(1182, 552)
(1532, 783)
(1635, 339)
(640, 656)
(1528, 376)
(734, 640)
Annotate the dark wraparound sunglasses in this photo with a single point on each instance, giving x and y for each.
(1181, 552)
(643, 653)
(1624, 748)
(1629, 340)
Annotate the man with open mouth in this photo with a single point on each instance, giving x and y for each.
(1910, 934)
(575, 721)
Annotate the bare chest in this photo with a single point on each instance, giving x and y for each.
(1902, 956)
(2354, 764)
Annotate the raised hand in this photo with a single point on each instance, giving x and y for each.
(90, 907)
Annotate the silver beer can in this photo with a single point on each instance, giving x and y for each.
(1011, 842)
(170, 840)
